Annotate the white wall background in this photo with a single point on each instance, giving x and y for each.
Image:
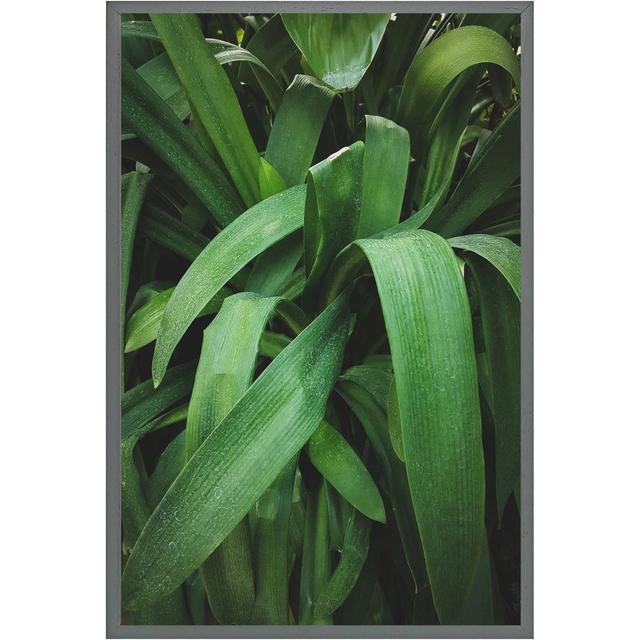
(52, 273)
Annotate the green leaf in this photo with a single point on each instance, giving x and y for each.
(251, 233)
(145, 113)
(274, 266)
(290, 150)
(296, 128)
(162, 77)
(144, 402)
(144, 324)
(332, 212)
(169, 466)
(133, 190)
(339, 47)
(395, 428)
(135, 512)
(503, 254)
(239, 460)
(316, 558)
(441, 62)
(227, 363)
(444, 145)
(270, 180)
(374, 421)
(352, 558)
(489, 174)
(428, 323)
(166, 231)
(271, 554)
(212, 96)
(334, 458)
(386, 163)
(272, 45)
(500, 313)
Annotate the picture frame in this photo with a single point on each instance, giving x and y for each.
(114, 628)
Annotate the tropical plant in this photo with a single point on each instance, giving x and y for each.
(320, 316)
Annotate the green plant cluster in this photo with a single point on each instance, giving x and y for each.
(320, 319)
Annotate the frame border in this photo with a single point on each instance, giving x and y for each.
(114, 629)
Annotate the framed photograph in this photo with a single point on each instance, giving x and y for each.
(320, 308)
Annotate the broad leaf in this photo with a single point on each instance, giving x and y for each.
(212, 96)
(334, 458)
(239, 460)
(145, 113)
(253, 232)
(439, 64)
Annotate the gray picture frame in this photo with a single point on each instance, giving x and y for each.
(114, 628)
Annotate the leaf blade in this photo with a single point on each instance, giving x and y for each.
(277, 415)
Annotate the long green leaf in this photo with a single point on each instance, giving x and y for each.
(334, 458)
(428, 322)
(444, 144)
(316, 559)
(225, 371)
(133, 190)
(370, 414)
(144, 324)
(332, 212)
(271, 551)
(500, 313)
(212, 96)
(352, 558)
(145, 113)
(239, 460)
(385, 167)
(503, 254)
(297, 127)
(438, 64)
(253, 232)
(339, 47)
(170, 233)
(290, 150)
(489, 174)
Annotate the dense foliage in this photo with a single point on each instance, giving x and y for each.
(320, 310)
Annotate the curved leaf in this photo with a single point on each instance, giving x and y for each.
(503, 254)
(441, 62)
(428, 324)
(146, 114)
(212, 96)
(334, 458)
(385, 167)
(352, 558)
(339, 47)
(133, 190)
(254, 231)
(271, 554)
(296, 128)
(316, 558)
(489, 174)
(144, 324)
(332, 212)
(239, 460)
(500, 313)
